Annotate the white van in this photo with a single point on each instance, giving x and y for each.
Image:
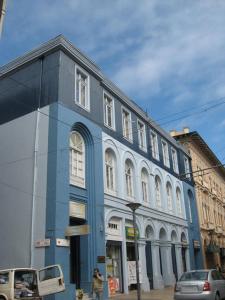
(25, 283)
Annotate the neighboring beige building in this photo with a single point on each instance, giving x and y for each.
(2, 13)
(209, 177)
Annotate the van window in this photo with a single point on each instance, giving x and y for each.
(49, 273)
(4, 277)
(25, 284)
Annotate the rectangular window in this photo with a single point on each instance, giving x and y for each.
(189, 208)
(141, 135)
(165, 152)
(108, 110)
(127, 125)
(187, 168)
(174, 160)
(154, 145)
(82, 88)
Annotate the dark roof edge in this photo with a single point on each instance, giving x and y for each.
(60, 42)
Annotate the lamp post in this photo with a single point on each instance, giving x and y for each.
(134, 206)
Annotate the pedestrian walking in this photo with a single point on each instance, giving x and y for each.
(97, 285)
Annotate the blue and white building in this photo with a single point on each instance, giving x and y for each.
(76, 150)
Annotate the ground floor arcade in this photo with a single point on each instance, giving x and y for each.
(163, 251)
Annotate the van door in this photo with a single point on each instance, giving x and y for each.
(50, 280)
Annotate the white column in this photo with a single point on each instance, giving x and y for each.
(158, 282)
(179, 260)
(168, 275)
(124, 258)
(142, 258)
(187, 257)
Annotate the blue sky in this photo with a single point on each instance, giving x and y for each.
(168, 56)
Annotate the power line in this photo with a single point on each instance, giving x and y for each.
(202, 170)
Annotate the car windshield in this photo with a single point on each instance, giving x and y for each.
(194, 276)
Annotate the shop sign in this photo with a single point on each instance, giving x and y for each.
(42, 243)
(77, 230)
(62, 242)
(130, 233)
(101, 259)
(196, 244)
(77, 210)
(132, 278)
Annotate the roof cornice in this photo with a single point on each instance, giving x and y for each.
(61, 43)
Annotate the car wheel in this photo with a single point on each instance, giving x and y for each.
(217, 297)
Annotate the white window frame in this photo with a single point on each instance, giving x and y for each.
(87, 90)
(105, 111)
(189, 208)
(154, 145)
(130, 132)
(144, 185)
(165, 152)
(187, 168)
(158, 192)
(174, 160)
(112, 173)
(141, 135)
(75, 179)
(178, 202)
(169, 197)
(129, 180)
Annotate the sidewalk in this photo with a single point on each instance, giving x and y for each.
(164, 294)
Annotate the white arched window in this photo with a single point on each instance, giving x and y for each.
(169, 196)
(144, 185)
(178, 201)
(110, 164)
(158, 191)
(77, 159)
(129, 176)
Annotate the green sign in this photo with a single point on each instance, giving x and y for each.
(130, 233)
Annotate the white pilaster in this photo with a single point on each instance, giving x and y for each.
(158, 282)
(179, 260)
(124, 258)
(142, 257)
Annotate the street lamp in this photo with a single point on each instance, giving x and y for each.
(134, 206)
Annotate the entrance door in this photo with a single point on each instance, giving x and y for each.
(183, 251)
(160, 260)
(174, 260)
(148, 253)
(75, 266)
(114, 266)
(75, 260)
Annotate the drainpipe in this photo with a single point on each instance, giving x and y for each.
(36, 148)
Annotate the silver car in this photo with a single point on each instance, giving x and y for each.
(200, 284)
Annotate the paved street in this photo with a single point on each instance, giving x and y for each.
(165, 294)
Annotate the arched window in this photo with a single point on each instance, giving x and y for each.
(77, 159)
(169, 196)
(129, 176)
(190, 197)
(158, 191)
(178, 201)
(110, 164)
(144, 185)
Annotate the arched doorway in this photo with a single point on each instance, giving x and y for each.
(149, 234)
(174, 240)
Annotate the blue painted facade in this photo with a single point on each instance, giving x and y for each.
(45, 79)
(196, 256)
(60, 192)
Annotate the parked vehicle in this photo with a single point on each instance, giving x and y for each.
(27, 283)
(200, 284)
